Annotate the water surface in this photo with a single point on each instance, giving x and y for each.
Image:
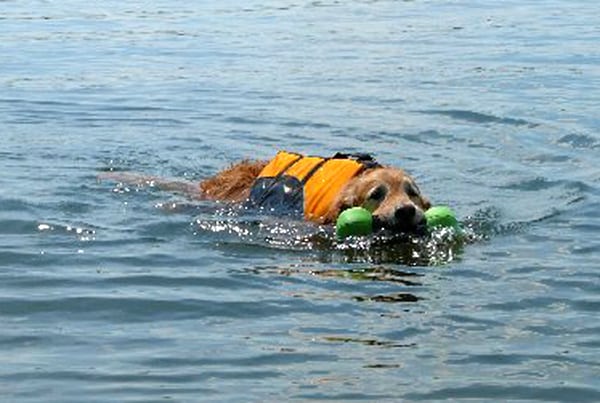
(124, 293)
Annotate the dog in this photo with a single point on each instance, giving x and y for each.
(317, 188)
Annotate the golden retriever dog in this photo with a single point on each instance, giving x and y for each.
(315, 187)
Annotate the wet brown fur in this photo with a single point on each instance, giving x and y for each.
(357, 191)
(233, 184)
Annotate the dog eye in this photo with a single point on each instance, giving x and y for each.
(411, 189)
(378, 194)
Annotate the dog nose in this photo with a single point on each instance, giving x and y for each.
(405, 213)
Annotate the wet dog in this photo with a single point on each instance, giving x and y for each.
(317, 188)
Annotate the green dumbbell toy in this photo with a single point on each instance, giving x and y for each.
(354, 221)
(358, 221)
(441, 216)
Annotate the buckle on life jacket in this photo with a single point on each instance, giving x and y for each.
(365, 159)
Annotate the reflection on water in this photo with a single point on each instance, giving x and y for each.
(378, 273)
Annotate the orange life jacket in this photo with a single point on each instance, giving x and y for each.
(305, 184)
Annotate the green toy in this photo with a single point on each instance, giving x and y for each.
(354, 221)
(359, 220)
(441, 216)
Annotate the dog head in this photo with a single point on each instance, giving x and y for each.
(390, 194)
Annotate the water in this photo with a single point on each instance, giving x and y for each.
(115, 293)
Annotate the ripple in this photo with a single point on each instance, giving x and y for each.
(16, 226)
(137, 295)
(389, 298)
(142, 377)
(133, 281)
(367, 342)
(344, 397)
(510, 359)
(80, 232)
(541, 183)
(18, 341)
(476, 117)
(510, 392)
(373, 274)
(279, 359)
(15, 205)
(575, 140)
(526, 303)
(475, 323)
(127, 310)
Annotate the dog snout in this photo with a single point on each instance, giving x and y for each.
(405, 213)
(405, 218)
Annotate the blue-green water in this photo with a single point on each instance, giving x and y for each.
(116, 293)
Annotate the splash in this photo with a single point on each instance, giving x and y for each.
(244, 227)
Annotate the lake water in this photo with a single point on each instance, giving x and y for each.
(117, 293)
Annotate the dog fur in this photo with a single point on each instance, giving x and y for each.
(390, 193)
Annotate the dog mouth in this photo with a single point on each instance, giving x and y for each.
(412, 227)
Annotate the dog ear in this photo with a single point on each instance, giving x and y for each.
(344, 201)
(332, 213)
(426, 203)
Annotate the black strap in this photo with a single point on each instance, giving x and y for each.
(365, 159)
(313, 170)
(288, 166)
